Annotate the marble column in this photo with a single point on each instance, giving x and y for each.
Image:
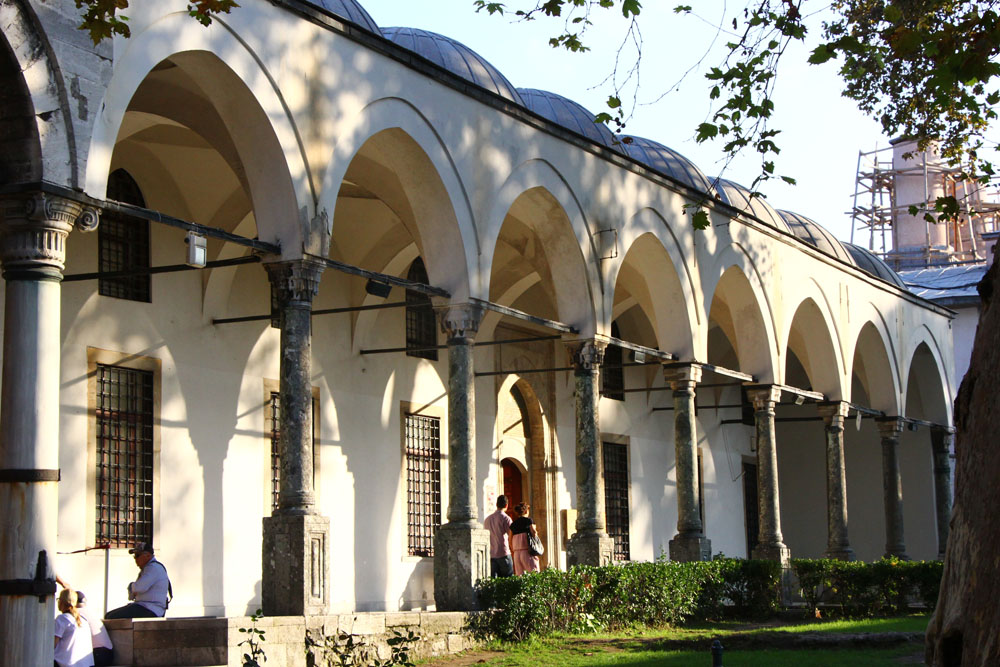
(590, 544)
(689, 543)
(33, 232)
(770, 544)
(296, 539)
(890, 429)
(461, 546)
(837, 544)
(942, 440)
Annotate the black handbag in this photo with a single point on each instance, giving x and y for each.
(535, 546)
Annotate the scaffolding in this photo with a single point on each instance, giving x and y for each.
(886, 188)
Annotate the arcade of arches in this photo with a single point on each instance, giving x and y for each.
(455, 293)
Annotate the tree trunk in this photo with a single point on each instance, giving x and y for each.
(963, 630)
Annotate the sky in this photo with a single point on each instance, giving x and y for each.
(821, 132)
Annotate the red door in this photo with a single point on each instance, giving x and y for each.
(511, 484)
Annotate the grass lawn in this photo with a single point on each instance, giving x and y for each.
(658, 647)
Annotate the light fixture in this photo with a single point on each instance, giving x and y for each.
(381, 290)
(197, 250)
(799, 400)
(639, 357)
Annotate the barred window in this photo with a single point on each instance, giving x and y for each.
(616, 496)
(612, 370)
(421, 328)
(123, 243)
(274, 421)
(423, 483)
(124, 410)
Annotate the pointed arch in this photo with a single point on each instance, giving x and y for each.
(927, 392)
(740, 308)
(812, 338)
(874, 366)
(248, 100)
(652, 260)
(560, 225)
(431, 184)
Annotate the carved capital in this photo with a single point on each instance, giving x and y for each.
(682, 377)
(34, 230)
(763, 396)
(587, 355)
(461, 321)
(889, 427)
(88, 220)
(833, 412)
(294, 282)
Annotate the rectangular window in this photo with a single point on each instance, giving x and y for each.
(616, 496)
(123, 245)
(423, 482)
(124, 454)
(274, 421)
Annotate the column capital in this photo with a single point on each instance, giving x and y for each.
(296, 280)
(889, 427)
(34, 228)
(587, 355)
(763, 396)
(682, 376)
(833, 410)
(461, 320)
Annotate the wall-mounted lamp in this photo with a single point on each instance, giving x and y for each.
(197, 250)
(639, 357)
(799, 400)
(381, 290)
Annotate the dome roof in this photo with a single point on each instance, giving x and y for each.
(873, 265)
(567, 113)
(350, 10)
(739, 197)
(668, 161)
(455, 57)
(815, 235)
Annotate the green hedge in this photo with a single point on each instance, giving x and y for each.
(629, 595)
(856, 588)
(614, 597)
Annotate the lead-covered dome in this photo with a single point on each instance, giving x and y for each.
(455, 57)
(739, 197)
(350, 10)
(571, 115)
(873, 265)
(667, 161)
(811, 232)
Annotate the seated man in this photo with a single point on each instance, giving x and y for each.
(150, 592)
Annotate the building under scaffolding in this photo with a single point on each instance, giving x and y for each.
(893, 179)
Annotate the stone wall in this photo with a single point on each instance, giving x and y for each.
(200, 642)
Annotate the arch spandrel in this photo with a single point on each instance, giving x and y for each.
(734, 285)
(430, 183)
(246, 98)
(537, 192)
(656, 277)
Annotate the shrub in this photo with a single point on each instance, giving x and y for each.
(868, 589)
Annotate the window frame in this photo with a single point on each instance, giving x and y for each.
(100, 357)
(621, 553)
(420, 314)
(133, 238)
(436, 411)
(272, 387)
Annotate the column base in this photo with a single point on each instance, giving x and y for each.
(590, 549)
(688, 548)
(461, 558)
(778, 552)
(295, 565)
(841, 553)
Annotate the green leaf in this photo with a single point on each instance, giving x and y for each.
(682, 9)
(699, 219)
(614, 102)
(706, 131)
(892, 14)
(821, 54)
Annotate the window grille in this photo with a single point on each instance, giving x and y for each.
(274, 421)
(421, 328)
(423, 483)
(616, 496)
(124, 410)
(612, 370)
(123, 243)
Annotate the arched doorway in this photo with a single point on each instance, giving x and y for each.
(524, 461)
